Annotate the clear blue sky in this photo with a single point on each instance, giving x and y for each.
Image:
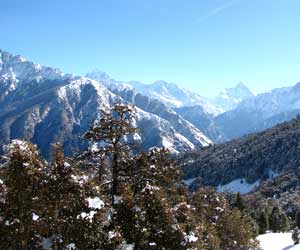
(203, 45)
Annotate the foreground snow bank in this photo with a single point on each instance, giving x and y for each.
(277, 241)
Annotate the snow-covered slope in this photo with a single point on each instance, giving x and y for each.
(202, 120)
(260, 112)
(274, 102)
(277, 241)
(238, 186)
(44, 105)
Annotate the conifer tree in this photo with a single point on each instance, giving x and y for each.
(239, 202)
(21, 178)
(263, 222)
(235, 231)
(284, 222)
(113, 130)
(297, 219)
(278, 220)
(72, 211)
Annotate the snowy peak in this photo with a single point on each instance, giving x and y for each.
(274, 102)
(296, 87)
(229, 98)
(240, 92)
(16, 68)
(98, 75)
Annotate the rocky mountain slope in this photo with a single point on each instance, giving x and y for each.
(44, 105)
(203, 121)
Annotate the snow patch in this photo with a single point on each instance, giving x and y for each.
(277, 241)
(95, 203)
(238, 185)
(35, 217)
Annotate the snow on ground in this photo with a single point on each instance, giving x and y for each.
(238, 185)
(189, 181)
(277, 241)
(96, 203)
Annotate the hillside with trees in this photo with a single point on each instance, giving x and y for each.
(111, 197)
(255, 157)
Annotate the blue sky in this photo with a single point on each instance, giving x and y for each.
(203, 45)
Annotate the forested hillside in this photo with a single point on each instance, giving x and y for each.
(252, 158)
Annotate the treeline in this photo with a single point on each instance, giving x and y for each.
(110, 197)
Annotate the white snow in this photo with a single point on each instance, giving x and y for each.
(95, 203)
(118, 199)
(88, 216)
(35, 217)
(150, 188)
(167, 143)
(71, 246)
(190, 237)
(277, 241)
(238, 185)
(128, 246)
(22, 145)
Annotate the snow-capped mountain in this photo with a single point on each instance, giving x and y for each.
(168, 93)
(44, 105)
(261, 112)
(229, 98)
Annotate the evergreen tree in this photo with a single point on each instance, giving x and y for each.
(278, 220)
(235, 231)
(297, 219)
(113, 129)
(72, 209)
(22, 178)
(239, 202)
(284, 222)
(263, 222)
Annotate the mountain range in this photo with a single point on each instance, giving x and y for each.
(45, 105)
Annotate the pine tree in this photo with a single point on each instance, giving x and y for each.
(114, 129)
(263, 222)
(239, 202)
(22, 178)
(279, 222)
(72, 210)
(235, 231)
(284, 222)
(297, 219)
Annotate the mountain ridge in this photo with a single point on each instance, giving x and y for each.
(44, 105)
